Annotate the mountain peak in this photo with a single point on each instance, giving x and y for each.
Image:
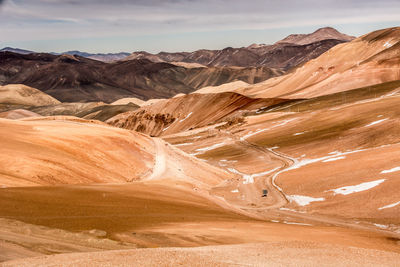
(318, 35)
(327, 29)
(15, 50)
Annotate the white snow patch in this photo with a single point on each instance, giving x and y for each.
(184, 144)
(395, 169)
(381, 226)
(166, 128)
(286, 209)
(387, 44)
(375, 122)
(306, 224)
(235, 191)
(249, 178)
(296, 163)
(332, 155)
(334, 159)
(277, 124)
(204, 149)
(303, 200)
(299, 133)
(346, 190)
(186, 117)
(389, 206)
(274, 221)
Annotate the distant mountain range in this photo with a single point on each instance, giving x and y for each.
(291, 51)
(285, 54)
(77, 76)
(16, 50)
(74, 78)
(109, 57)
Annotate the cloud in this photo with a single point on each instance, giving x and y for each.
(73, 19)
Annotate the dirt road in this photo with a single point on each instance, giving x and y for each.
(260, 208)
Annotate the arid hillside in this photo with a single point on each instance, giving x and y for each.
(188, 112)
(71, 78)
(319, 35)
(19, 94)
(368, 60)
(218, 167)
(285, 54)
(47, 151)
(329, 133)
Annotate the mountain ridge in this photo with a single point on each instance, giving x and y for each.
(318, 35)
(308, 45)
(78, 79)
(299, 48)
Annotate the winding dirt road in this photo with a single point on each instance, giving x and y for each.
(261, 208)
(159, 162)
(277, 198)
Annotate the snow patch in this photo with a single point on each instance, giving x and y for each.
(336, 155)
(184, 144)
(286, 209)
(303, 200)
(277, 124)
(334, 159)
(166, 128)
(235, 191)
(299, 133)
(395, 169)
(389, 206)
(381, 226)
(346, 190)
(387, 44)
(186, 117)
(204, 149)
(375, 122)
(306, 224)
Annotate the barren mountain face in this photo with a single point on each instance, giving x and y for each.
(326, 33)
(368, 60)
(285, 54)
(78, 79)
(160, 161)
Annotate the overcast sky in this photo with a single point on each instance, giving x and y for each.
(180, 25)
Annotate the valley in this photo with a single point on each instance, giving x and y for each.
(163, 164)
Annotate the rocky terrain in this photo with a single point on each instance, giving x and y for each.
(181, 179)
(285, 54)
(78, 79)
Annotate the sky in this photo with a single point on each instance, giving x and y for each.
(180, 25)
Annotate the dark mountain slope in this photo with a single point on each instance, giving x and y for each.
(74, 78)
